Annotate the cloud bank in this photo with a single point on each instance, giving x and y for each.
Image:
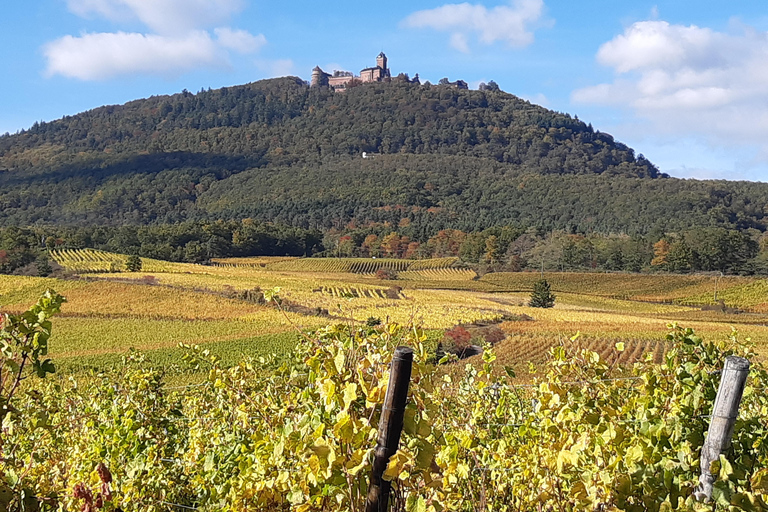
(511, 24)
(178, 39)
(689, 81)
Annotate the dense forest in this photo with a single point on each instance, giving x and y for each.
(288, 157)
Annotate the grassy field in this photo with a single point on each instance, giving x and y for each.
(165, 304)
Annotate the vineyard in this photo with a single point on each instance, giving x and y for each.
(439, 274)
(182, 428)
(360, 265)
(94, 261)
(681, 289)
(350, 292)
(250, 262)
(297, 432)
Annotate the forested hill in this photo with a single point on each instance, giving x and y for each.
(281, 121)
(278, 150)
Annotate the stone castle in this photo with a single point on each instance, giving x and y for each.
(339, 80)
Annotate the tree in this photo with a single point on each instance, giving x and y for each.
(542, 296)
(492, 249)
(43, 266)
(133, 263)
(660, 253)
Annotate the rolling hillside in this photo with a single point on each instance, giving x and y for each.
(276, 150)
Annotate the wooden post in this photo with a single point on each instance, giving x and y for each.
(390, 427)
(724, 414)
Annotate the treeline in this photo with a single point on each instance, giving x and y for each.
(514, 249)
(506, 248)
(25, 250)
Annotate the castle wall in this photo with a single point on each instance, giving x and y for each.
(375, 74)
(339, 81)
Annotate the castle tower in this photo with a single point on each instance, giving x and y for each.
(381, 61)
(319, 77)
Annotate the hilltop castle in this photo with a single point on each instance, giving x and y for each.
(339, 80)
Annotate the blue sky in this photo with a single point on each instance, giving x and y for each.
(683, 82)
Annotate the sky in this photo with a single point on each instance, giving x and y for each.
(683, 82)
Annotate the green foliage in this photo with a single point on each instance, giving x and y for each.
(23, 347)
(541, 296)
(133, 263)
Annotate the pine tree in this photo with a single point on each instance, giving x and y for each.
(542, 296)
(133, 263)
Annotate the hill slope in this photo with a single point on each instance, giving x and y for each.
(277, 150)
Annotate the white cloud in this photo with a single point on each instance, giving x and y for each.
(689, 81)
(107, 55)
(239, 40)
(161, 16)
(507, 23)
(177, 39)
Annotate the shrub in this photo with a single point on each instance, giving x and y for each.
(386, 274)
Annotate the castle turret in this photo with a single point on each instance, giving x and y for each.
(319, 77)
(381, 61)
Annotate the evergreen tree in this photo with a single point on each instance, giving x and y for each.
(542, 296)
(133, 263)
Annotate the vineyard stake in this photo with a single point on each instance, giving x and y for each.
(390, 427)
(724, 414)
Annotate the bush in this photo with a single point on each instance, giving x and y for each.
(386, 274)
(542, 296)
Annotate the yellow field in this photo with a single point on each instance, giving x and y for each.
(168, 303)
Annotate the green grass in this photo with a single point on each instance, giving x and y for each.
(231, 352)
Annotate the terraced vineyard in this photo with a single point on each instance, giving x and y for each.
(355, 292)
(433, 263)
(250, 262)
(359, 265)
(93, 261)
(439, 274)
(334, 265)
